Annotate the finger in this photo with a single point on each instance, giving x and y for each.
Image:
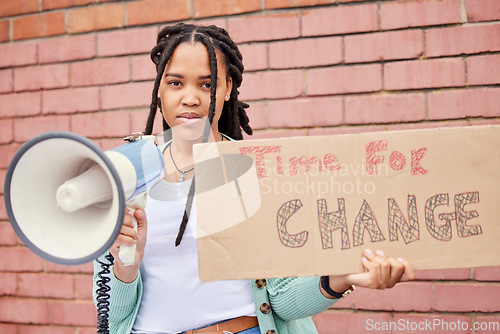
(140, 216)
(408, 272)
(397, 269)
(127, 219)
(385, 268)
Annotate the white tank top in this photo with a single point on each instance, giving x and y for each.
(174, 299)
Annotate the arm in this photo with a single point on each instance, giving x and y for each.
(125, 281)
(297, 297)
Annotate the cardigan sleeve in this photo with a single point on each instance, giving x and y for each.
(124, 299)
(297, 297)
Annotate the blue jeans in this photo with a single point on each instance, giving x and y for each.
(253, 330)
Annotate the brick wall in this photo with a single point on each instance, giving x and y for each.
(312, 67)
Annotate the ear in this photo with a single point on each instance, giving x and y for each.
(229, 88)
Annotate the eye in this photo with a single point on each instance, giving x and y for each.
(206, 85)
(174, 83)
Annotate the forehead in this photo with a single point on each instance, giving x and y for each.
(194, 57)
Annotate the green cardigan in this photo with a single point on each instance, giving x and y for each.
(292, 302)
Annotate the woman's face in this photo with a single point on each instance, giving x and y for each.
(185, 91)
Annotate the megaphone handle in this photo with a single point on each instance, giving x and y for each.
(127, 253)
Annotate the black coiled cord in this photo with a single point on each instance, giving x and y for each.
(103, 295)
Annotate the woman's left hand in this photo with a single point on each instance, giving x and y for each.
(381, 272)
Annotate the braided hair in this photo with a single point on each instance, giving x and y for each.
(233, 118)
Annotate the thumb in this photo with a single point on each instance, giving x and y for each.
(142, 224)
(140, 216)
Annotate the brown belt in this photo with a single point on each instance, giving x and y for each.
(232, 326)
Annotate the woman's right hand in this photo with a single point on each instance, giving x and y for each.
(127, 237)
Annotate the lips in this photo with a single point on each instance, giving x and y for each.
(189, 117)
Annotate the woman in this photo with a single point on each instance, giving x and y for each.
(199, 70)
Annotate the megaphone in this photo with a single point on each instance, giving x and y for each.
(66, 198)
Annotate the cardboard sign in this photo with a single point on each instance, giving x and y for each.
(310, 205)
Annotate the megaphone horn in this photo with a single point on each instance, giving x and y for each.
(66, 198)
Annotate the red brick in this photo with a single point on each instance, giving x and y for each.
(143, 68)
(264, 27)
(27, 128)
(390, 45)
(257, 115)
(94, 18)
(24, 311)
(83, 287)
(73, 313)
(8, 329)
(129, 95)
(203, 8)
(7, 235)
(4, 30)
(6, 80)
(482, 10)
(41, 77)
(19, 259)
(3, 174)
(417, 13)
(333, 322)
(443, 274)
(9, 284)
(100, 72)
(339, 20)
(464, 103)
(462, 40)
(345, 130)
(41, 25)
(126, 42)
(305, 52)
(102, 124)
(427, 73)
(490, 121)
(487, 273)
(487, 324)
(432, 125)
(271, 85)
(273, 4)
(6, 154)
(432, 323)
(20, 104)
(285, 133)
(308, 112)
(47, 330)
(54, 4)
(345, 79)
(67, 49)
(12, 8)
(393, 108)
(46, 286)
(79, 269)
(483, 70)
(254, 56)
(467, 297)
(3, 210)
(18, 54)
(155, 11)
(70, 100)
(6, 131)
(412, 296)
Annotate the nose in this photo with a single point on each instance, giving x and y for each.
(190, 97)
